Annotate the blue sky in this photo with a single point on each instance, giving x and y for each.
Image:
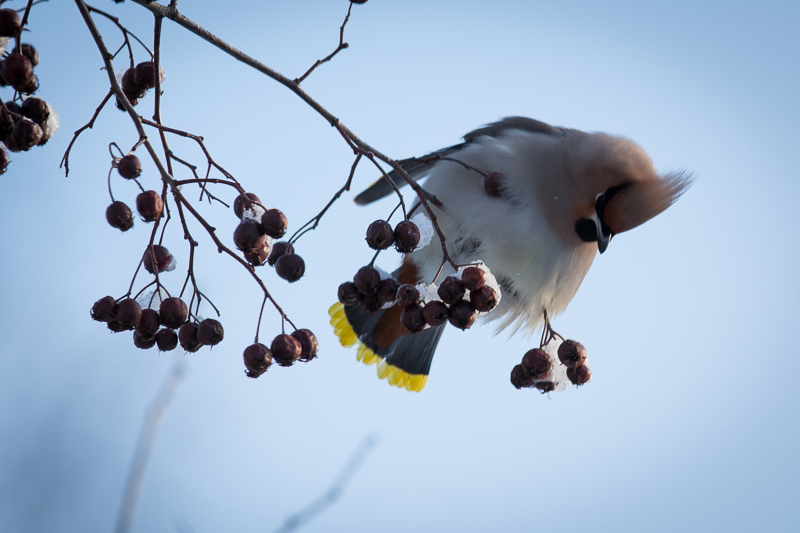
(690, 422)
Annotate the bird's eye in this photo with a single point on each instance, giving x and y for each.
(586, 230)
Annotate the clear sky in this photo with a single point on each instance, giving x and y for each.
(691, 420)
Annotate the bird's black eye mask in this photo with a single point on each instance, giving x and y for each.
(587, 228)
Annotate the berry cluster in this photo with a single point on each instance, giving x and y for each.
(301, 345)
(136, 81)
(405, 236)
(25, 121)
(536, 368)
(149, 204)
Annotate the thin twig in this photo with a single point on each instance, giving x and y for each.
(342, 46)
(89, 125)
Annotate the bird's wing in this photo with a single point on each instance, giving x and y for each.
(417, 167)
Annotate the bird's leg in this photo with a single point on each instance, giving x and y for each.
(548, 333)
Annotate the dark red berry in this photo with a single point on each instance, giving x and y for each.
(371, 303)
(240, 204)
(580, 375)
(348, 294)
(4, 160)
(493, 185)
(278, 249)
(173, 312)
(412, 319)
(167, 340)
(473, 278)
(210, 332)
(103, 309)
(117, 327)
(145, 75)
(286, 349)
(248, 236)
(9, 23)
(380, 235)
(571, 353)
(46, 133)
(367, 279)
(133, 91)
(308, 343)
(407, 295)
(537, 363)
(27, 86)
(17, 69)
(545, 386)
(119, 216)
(30, 52)
(451, 290)
(290, 267)
(274, 223)
(387, 290)
(483, 299)
(406, 236)
(36, 109)
(359, 1)
(164, 259)
(149, 205)
(145, 343)
(462, 314)
(128, 313)
(435, 313)
(25, 135)
(257, 359)
(148, 325)
(187, 336)
(258, 257)
(129, 167)
(519, 378)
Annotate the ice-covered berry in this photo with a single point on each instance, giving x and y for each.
(241, 203)
(164, 259)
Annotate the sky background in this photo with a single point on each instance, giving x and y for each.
(691, 420)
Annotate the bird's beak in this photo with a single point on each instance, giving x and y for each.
(602, 242)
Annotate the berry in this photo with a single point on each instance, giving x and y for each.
(387, 290)
(36, 109)
(9, 23)
(145, 75)
(580, 375)
(129, 166)
(473, 278)
(483, 299)
(571, 354)
(30, 52)
(142, 342)
(119, 216)
(286, 349)
(348, 294)
(167, 340)
(25, 135)
(367, 279)
(462, 314)
(117, 327)
(380, 235)
(412, 319)
(406, 236)
(258, 257)
(371, 303)
(273, 223)
(4, 161)
(128, 313)
(133, 92)
(248, 236)
(103, 309)
(257, 359)
(290, 267)
(451, 290)
(164, 259)
(27, 86)
(537, 364)
(308, 343)
(240, 204)
(210, 332)
(545, 386)
(493, 185)
(147, 328)
(519, 378)
(173, 312)
(435, 313)
(187, 336)
(278, 249)
(149, 205)
(407, 295)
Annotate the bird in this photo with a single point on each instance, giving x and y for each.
(563, 195)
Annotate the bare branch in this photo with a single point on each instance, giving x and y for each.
(342, 46)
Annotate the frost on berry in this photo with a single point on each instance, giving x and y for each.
(407, 295)
(579, 375)
(149, 205)
(128, 313)
(519, 378)
(210, 332)
(119, 216)
(273, 223)
(387, 290)
(103, 309)
(493, 184)
(165, 262)
(367, 279)
(173, 312)
(290, 267)
(380, 235)
(187, 336)
(167, 340)
(406, 236)
(308, 344)
(462, 314)
(257, 359)
(425, 227)
(411, 319)
(129, 166)
(483, 299)
(30, 52)
(148, 325)
(348, 293)
(285, 349)
(451, 290)
(248, 236)
(537, 364)
(25, 135)
(9, 23)
(278, 249)
(435, 313)
(571, 354)
(473, 278)
(241, 203)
